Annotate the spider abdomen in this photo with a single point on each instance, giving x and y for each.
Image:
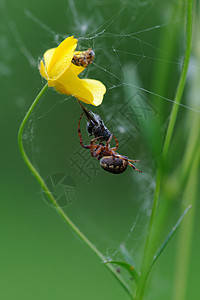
(114, 165)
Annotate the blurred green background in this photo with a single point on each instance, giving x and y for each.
(139, 48)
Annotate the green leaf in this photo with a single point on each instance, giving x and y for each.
(130, 268)
(169, 237)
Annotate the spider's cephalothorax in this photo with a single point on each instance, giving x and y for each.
(110, 160)
(83, 58)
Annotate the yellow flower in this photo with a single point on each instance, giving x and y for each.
(56, 67)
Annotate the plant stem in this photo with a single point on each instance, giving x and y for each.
(186, 233)
(53, 201)
(190, 170)
(170, 129)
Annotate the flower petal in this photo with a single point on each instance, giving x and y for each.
(42, 69)
(71, 84)
(87, 90)
(97, 88)
(44, 63)
(61, 58)
(47, 57)
(76, 69)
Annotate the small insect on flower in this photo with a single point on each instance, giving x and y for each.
(100, 147)
(83, 58)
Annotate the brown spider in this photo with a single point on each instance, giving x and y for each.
(84, 58)
(110, 160)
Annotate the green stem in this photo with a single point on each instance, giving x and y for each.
(184, 248)
(53, 201)
(190, 170)
(170, 129)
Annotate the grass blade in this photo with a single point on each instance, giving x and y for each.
(167, 240)
(130, 268)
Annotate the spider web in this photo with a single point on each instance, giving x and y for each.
(122, 53)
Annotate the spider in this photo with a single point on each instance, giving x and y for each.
(110, 160)
(84, 58)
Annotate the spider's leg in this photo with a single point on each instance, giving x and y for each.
(124, 158)
(79, 134)
(115, 154)
(133, 160)
(117, 144)
(93, 145)
(128, 160)
(134, 167)
(108, 142)
(97, 151)
(96, 139)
